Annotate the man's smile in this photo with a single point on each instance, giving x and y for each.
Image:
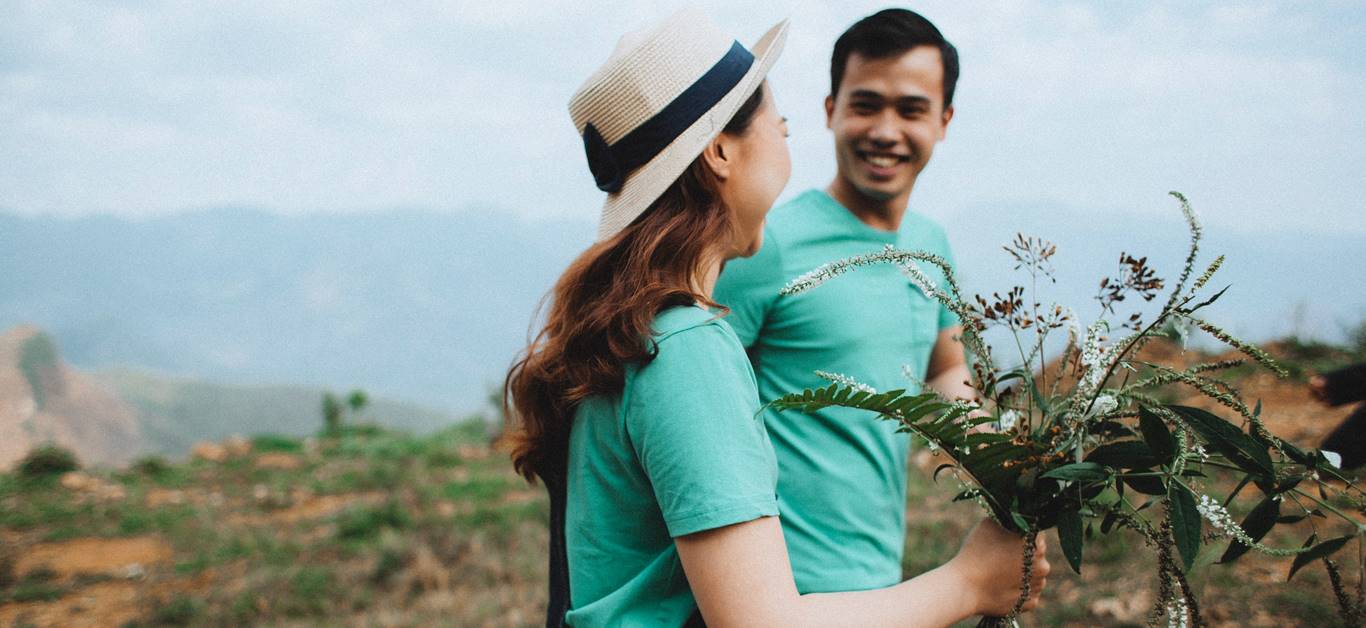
(882, 160)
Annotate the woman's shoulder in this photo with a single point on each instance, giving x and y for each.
(692, 342)
(689, 324)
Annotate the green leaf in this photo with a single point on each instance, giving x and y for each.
(1211, 299)
(1185, 522)
(1108, 523)
(1079, 472)
(1038, 397)
(1125, 454)
(1148, 485)
(1257, 523)
(1070, 537)
(1227, 439)
(1322, 550)
(1157, 436)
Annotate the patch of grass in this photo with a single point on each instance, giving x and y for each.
(35, 586)
(34, 592)
(361, 523)
(1306, 610)
(151, 466)
(64, 532)
(37, 509)
(179, 611)
(276, 442)
(308, 592)
(479, 488)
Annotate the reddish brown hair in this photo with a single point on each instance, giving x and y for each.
(603, 305)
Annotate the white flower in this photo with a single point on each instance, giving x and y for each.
(1222, 521)
(1073, 326)
(1102, 406)
(1182, 327)
(918, 277)
(1334, 458)
(1008, 420)
(845, 380)
(1094, 356)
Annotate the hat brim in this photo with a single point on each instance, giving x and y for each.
(645, 184)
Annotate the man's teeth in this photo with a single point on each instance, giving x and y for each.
(882, 161)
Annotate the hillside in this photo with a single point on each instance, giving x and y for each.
(431, 307)
(110, 417)
(380, 528)
(43, 399)
(174, 413)
(422, 306)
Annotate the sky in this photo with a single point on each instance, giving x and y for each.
(1257, 111)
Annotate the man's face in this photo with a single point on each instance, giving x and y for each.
(887, 117)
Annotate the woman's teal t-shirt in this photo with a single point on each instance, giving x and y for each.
(681, 450)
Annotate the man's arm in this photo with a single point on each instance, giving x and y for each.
(948, 372)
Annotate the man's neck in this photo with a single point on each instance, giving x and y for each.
(876, 213)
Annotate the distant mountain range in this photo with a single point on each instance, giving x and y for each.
(431, 307)
(114, 416)
(424, 307)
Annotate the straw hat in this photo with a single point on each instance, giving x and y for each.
(663, 95)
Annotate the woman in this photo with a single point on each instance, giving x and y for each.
(665, 485)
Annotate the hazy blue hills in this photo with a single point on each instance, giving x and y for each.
(175, 413)
(426, 307)
(431, 307)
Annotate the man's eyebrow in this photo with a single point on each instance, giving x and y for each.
(866, 94)
(914, 100)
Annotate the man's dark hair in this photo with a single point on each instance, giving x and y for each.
(892, 32)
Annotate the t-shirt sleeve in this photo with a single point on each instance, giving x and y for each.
(947, 318)
(691, 418)
(749, 286)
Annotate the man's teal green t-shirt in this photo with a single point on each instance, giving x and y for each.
(680, 450)
(841, 472)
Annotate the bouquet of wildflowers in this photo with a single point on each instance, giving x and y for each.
(1084, 443)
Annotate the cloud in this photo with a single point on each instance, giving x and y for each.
(1254, 110)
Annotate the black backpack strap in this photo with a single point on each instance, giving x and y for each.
(555, 478)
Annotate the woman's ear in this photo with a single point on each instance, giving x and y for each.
(719, 155)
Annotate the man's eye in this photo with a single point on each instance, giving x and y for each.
(864, 107)
(912, 112)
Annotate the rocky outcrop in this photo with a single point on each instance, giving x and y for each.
(42, 399)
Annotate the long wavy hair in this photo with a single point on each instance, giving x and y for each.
(603, 305)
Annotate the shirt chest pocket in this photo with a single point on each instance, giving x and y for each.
(923, 318)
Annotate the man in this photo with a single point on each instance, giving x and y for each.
(842, 472)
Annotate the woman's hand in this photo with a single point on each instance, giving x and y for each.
(991, 563)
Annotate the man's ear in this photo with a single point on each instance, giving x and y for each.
(829, 110)
(944, 128)
(719, 155)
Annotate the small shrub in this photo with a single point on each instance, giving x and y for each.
(134, 522)
(367, 522)
(393, 556)
(276, 442)
(48, 460)
(309, 591)
(1356, 338)
(332, 413)
(35, 592)
(180, 611)
(34, 586)
(152, 466)
(7, 567)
